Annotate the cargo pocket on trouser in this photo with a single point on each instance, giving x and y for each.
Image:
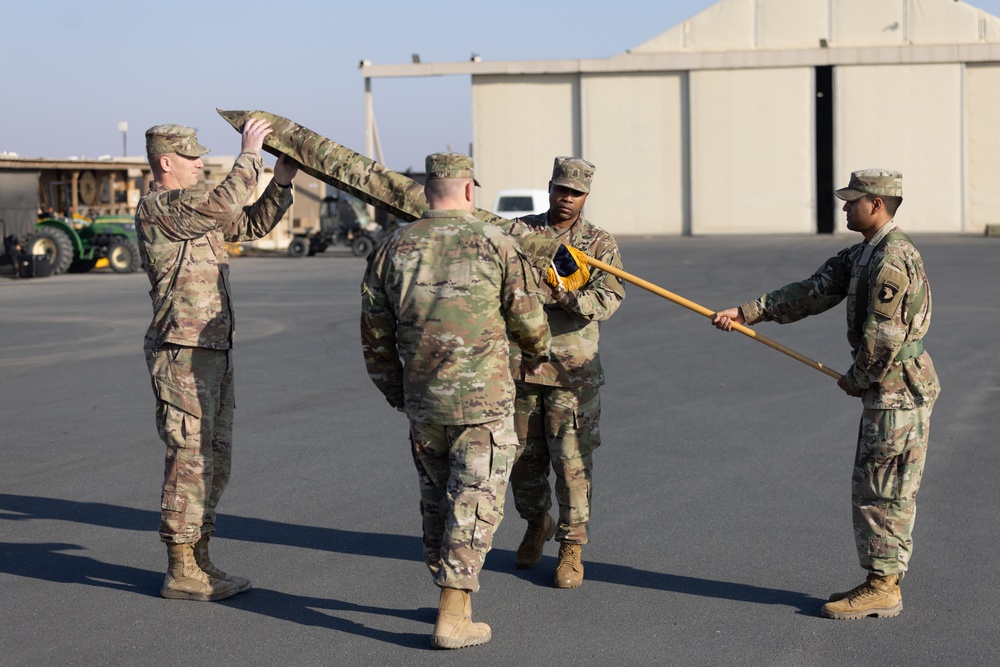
(883, 503)
(183, 495)
(487, 518)
(473, 557)
(178, 420)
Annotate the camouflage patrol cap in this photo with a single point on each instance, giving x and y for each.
(877, 182)
(572, 172)
(450, 165)
(178, 139)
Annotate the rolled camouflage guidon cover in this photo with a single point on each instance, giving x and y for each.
(343, 168)
(368, 180)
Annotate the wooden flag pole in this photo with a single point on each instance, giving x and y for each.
(701, 310)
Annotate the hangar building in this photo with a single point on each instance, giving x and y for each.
(745, 117)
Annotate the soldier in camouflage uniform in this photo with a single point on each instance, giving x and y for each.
(438, 299)
(558, 407)
(888, 313)
(182, 239)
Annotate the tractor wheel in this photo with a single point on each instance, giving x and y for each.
(299, 247)
(123, 255)
(361, 246)
(54, 244)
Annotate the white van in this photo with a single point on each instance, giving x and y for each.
(515, 203)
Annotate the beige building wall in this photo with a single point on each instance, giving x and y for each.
(640, 183)
(710, 126)
(519, 125)
(752, 151)
(908, 118)
(982, 113)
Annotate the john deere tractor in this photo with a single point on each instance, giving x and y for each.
(77, 245)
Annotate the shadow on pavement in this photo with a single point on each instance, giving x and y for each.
(45, 561)
(312, 611)
(403, 547)
(624, 575)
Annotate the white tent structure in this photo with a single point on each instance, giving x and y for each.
(745, 117)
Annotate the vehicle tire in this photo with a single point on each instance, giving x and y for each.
(123, 255)
(299, 247)
(54, 244)
(82, 265)
(361, 246)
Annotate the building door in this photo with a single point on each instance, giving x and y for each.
(825, 205)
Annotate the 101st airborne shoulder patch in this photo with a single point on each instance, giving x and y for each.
(890, 287)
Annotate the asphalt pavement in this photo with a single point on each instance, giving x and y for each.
(721, 501)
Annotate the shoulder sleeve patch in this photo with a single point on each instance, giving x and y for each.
(890, 287)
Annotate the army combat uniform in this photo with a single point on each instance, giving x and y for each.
(888, 314)
(182, 240)
(438, 299)
(558, 407)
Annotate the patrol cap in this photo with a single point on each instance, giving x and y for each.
(450, 165)
(572, 172)
(178, 139)
(877, 182)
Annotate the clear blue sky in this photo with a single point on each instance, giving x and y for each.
(73, 69)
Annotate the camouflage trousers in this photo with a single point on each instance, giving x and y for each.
(194, 417)
(892, 447)
(556, 427)
(463, 472)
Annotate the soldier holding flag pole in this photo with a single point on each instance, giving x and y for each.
(888, 314)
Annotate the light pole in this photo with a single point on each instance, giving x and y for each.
(123, 128)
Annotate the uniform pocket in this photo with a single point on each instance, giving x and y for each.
(173, 378)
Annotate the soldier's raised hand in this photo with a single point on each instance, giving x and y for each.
(254, 131)
(284, 170)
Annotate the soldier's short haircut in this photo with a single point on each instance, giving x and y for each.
(891, 203)
(154, 163)
(444, 188)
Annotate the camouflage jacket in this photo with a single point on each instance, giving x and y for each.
(890, 369)
(575, 320)
(437, 301)
(182, 235)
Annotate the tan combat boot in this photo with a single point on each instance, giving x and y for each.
(840, 596)
(569, 572)
(208, 567)
(454, 627)
(539, 532)
(186, 581)
(878, 596)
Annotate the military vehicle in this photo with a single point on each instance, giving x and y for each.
(343, 220)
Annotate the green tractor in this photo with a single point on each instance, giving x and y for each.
(78, 245)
